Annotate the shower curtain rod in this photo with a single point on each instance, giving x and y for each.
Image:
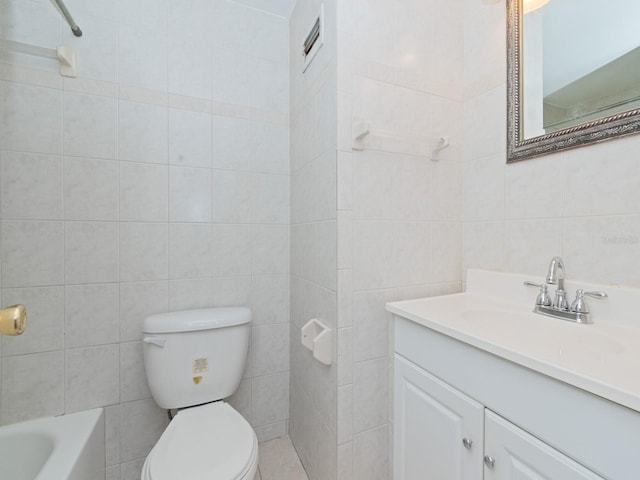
(74, 26)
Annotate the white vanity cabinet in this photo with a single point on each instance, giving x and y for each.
(438, 430)
(455, 405)
(513, 454)
(440, 433)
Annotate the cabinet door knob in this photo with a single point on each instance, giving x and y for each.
(467, 442)
(489, 461)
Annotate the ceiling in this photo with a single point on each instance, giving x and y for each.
(282, 8)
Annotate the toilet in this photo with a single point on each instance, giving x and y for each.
(193, 360)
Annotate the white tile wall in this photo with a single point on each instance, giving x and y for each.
(313, 397)
(399, 213)
(157, 180)
(581, 204)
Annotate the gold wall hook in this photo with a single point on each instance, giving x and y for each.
(13, 320)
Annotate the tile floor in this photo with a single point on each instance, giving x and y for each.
(279, 461)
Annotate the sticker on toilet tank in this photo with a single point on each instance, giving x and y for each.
(200, 365)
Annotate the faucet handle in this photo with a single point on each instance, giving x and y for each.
(579, 305)
(543, 297)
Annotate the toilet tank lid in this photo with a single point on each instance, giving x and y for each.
(194, 320)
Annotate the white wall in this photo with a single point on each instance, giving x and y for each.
(582, 204)
(313, 238)
(399, 213)
(157, 180)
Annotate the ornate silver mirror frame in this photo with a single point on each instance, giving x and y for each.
(605, 128)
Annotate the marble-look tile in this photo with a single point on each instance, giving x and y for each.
(603, 249)
(373, 263)
(270, 249)
(232, 291)
(189, 138)
(144, 250)
(270, 148)
(32, 253)
(370, 321)
(142, 132)
(31, 186)
(370, 394)
(599, 180)
(270, 348)
(190, 293)
(30, 118)
(530, 244)
(91, 252)
(241, 399)
(345, 414)
(189, 194)
(144, 195)
(446, 245)
(231, 143)
(484, 189)
(90, 126)
(270, 199)
(270, 398)
(32, 386)
(270, 299)
(112, 435)
(345, 461)
(269, 86)
(484, 125)
(133, 379)
(231, 250)
(535, 189)
(91, 314)
(272, 430)
(190, 250)
(141, 425)
(483, 245)
(370, 454)
(91, 377)
(231, 197)
(46, 320)
(232, 77)
(90, 189)
(279, 461)
(131, 470)
(142, 51)
(137, 301)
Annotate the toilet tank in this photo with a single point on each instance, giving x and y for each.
(195, 356)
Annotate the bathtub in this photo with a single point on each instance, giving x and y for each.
(68, 447)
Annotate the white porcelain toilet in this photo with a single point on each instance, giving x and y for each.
(194, 359)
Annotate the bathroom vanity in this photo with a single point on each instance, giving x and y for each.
(484, 388)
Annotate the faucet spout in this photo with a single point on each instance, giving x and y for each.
(556, 273)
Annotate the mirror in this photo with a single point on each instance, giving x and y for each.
(573, 74)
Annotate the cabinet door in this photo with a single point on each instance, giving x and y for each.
(520, 456)
(431, 420)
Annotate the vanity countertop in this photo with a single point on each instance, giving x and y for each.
(602, 358)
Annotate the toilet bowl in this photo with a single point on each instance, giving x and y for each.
(209, 442)
(193, 360)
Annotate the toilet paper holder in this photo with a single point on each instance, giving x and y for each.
(316, 336)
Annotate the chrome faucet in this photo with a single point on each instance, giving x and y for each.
(555, 276)
(559, 308)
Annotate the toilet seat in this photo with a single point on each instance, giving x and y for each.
(209, 442)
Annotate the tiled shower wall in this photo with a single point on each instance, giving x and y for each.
(313, 238)
(582, 204)
(157, 180)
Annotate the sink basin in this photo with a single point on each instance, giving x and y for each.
(69, 447)
(569, 342)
